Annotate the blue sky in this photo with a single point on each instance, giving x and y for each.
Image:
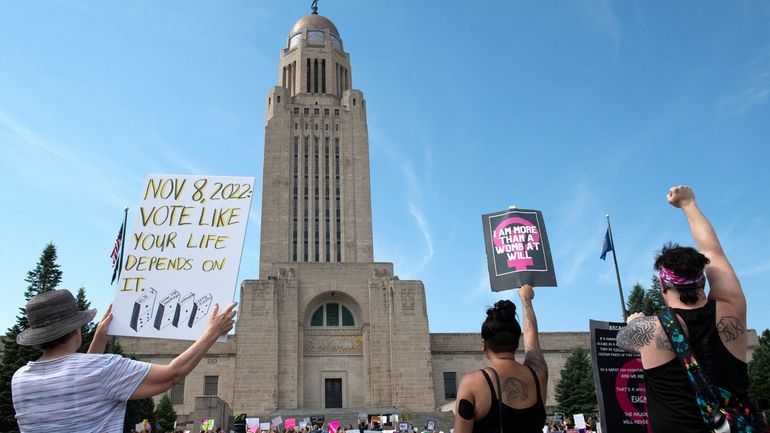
(579, 108)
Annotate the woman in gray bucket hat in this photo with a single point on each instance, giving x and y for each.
(51, 316)
(66, 391)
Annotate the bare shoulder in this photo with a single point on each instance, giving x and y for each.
(638, 334)
(471, 380)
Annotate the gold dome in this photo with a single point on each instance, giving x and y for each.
(314, 22)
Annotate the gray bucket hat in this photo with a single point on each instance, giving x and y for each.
(51, 315)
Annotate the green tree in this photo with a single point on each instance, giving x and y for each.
(88, 330)
(45, 277)
(653, 298)
(138, 410)
(575, 391)
(165, 414)
(635, 299)
(759, 370)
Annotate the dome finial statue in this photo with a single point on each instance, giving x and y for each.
(314, 7)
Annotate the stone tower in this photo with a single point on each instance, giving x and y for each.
(324, 326)
(316, 204)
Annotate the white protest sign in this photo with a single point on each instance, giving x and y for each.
(580, 421)
(252, 424)
(182, 255)
(264, 426)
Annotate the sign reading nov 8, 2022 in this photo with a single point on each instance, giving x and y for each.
(182, 255)
(517, 249)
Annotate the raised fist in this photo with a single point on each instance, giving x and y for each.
(680, 196)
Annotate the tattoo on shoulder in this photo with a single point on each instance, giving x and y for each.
(662, 343)
(730, 328)
(514, 390)
(637, 334)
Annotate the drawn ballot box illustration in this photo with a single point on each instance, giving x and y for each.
(190, 310)
(143, 308)
(202, 306)
(164, 316)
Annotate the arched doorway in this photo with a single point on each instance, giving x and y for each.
(332, 353)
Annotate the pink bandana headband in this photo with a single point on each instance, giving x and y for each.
(671, 277)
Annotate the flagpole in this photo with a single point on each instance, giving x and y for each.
(123, 244)
(617, 272)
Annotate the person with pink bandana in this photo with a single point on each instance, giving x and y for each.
(715, 324)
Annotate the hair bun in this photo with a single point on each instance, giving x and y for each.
(504, 312)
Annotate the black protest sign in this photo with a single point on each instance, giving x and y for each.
(517, 249)
(619, 381)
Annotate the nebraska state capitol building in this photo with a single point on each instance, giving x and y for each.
(325, 327)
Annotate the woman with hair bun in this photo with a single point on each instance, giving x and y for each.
(507, 396)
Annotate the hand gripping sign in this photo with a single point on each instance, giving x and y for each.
(517, 249)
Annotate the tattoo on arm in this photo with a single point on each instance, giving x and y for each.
(730, 328)
(533, 355)
(662, 343)
(514, 390)
(637, 334)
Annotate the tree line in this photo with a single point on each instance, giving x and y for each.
(46, 276)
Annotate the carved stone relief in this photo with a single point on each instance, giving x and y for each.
(333, 345)
(407, 300)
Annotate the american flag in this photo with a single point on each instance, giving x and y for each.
(116, 249)
(115, 255)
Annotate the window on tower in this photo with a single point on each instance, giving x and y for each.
(294, 40)
(314, 37)
(336, 42)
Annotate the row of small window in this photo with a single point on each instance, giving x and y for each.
(210, 387)
(316, 111)
(315, 126)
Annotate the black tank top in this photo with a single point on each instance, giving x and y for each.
(670, 397)
(529, 420)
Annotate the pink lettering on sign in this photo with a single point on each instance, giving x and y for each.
(630, 403)
(517, 238)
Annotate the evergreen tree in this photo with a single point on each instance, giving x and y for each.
(45, 277)
(635, 299)
(759, 372)
(88, 330)
(653, 298)
(575, 392)
(165, 414)
(138, 410)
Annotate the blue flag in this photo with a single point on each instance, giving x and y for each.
(607, 245)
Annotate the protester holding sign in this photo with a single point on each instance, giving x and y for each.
(716, 325)
(66, 391)
(507, 392)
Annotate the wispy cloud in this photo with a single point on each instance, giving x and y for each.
(751, 88)
(758, 269)
(79, 174)
(413, 191)
(423, 224)
(601, 17)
